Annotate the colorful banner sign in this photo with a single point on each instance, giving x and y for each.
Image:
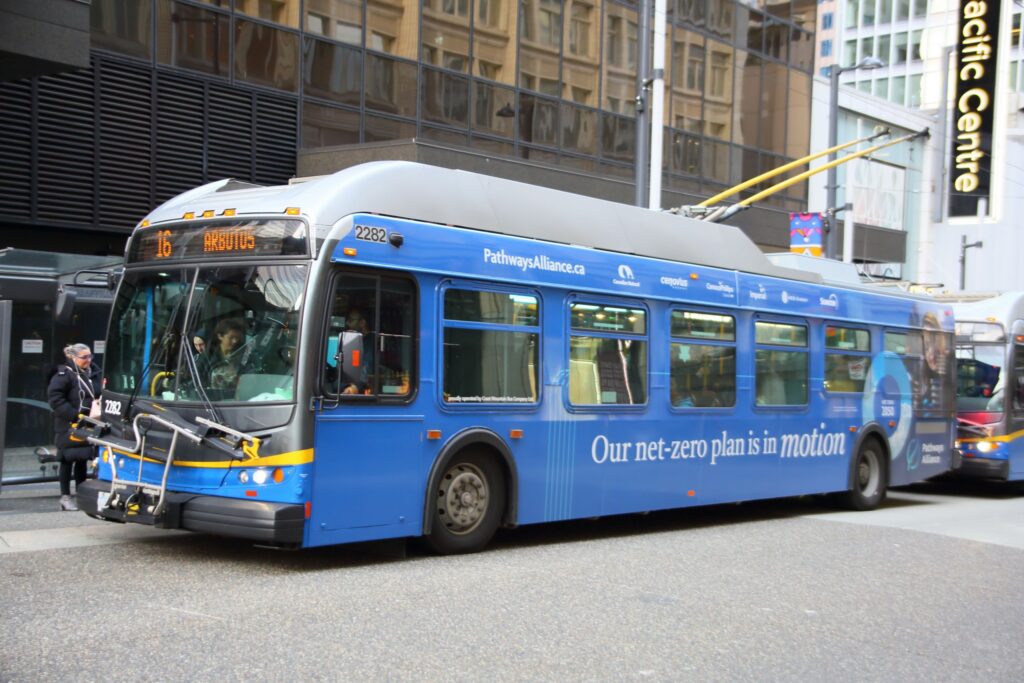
(974, 108)
(806, 232)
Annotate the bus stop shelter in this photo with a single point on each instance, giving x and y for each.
(47, 300)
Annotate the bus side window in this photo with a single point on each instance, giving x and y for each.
(847, 358)
(1018, 375)
(369, 339)
(781, 375)
(607, 355)
(703, 369)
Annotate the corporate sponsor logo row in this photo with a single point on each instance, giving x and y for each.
(625, 277)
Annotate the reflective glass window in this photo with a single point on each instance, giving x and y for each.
(445, 34)
(340, 20)
(801, 49)
(393, 27)
(494, 109)
(285, 12)
(538, 120)
(747, 110)
(491, 347)
(380, 128)
(720, 18)
(867, 17)
(190, 37)
(798, 115)
(618, 65)
(579, 129)
(445, 98)
(494, 40)
(611, 368)
(618, 137)
(123, 26)
(332, 71)
(328, 126)
(690, 11)
(715, 161)
(266, 56)
(390, 85)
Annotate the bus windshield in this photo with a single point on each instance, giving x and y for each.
(210, 334)
(979, 373)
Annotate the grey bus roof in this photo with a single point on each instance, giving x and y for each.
(460, 198)
(1005, 308)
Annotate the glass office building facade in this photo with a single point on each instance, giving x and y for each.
(184, 91)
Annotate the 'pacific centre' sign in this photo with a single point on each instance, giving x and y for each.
(974, 107)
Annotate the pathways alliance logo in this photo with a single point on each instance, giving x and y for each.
(626, 278)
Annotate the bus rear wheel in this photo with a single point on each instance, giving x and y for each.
(468, 501)
(867, 490)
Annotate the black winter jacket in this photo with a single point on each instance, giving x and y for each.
(69, 397)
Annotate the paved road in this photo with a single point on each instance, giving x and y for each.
(929, 588)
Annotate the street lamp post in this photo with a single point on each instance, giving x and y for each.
(963, 258)
(833, 134)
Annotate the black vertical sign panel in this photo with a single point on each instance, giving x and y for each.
(970, 169)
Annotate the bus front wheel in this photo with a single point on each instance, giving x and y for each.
(867, 490)
(468, 501)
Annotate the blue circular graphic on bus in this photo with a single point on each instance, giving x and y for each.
(888, 399)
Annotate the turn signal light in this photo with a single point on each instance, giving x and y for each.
(292, 211)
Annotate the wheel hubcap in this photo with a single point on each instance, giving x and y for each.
(463, 498)
(868, 473)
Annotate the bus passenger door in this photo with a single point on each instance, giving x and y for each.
(368, 434)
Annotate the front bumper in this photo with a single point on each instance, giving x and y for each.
(983, 468)
(264, 522)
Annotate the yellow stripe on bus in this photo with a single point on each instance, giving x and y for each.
(280, 460)
(1004, 438)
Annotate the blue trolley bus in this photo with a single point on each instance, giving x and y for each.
(399, 350)
(990, 386)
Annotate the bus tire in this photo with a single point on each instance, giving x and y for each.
(469, 500)
(868, 480)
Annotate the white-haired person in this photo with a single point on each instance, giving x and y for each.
(72, 390)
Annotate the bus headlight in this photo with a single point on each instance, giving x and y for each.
(260, 476)
(985, 446)
(243, 477)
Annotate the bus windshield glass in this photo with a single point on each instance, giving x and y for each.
(213, 334)
(979, 377)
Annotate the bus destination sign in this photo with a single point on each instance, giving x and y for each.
(217, 240)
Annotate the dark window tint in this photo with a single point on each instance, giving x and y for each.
(491, 347)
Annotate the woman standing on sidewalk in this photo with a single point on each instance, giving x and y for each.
(71, 393)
